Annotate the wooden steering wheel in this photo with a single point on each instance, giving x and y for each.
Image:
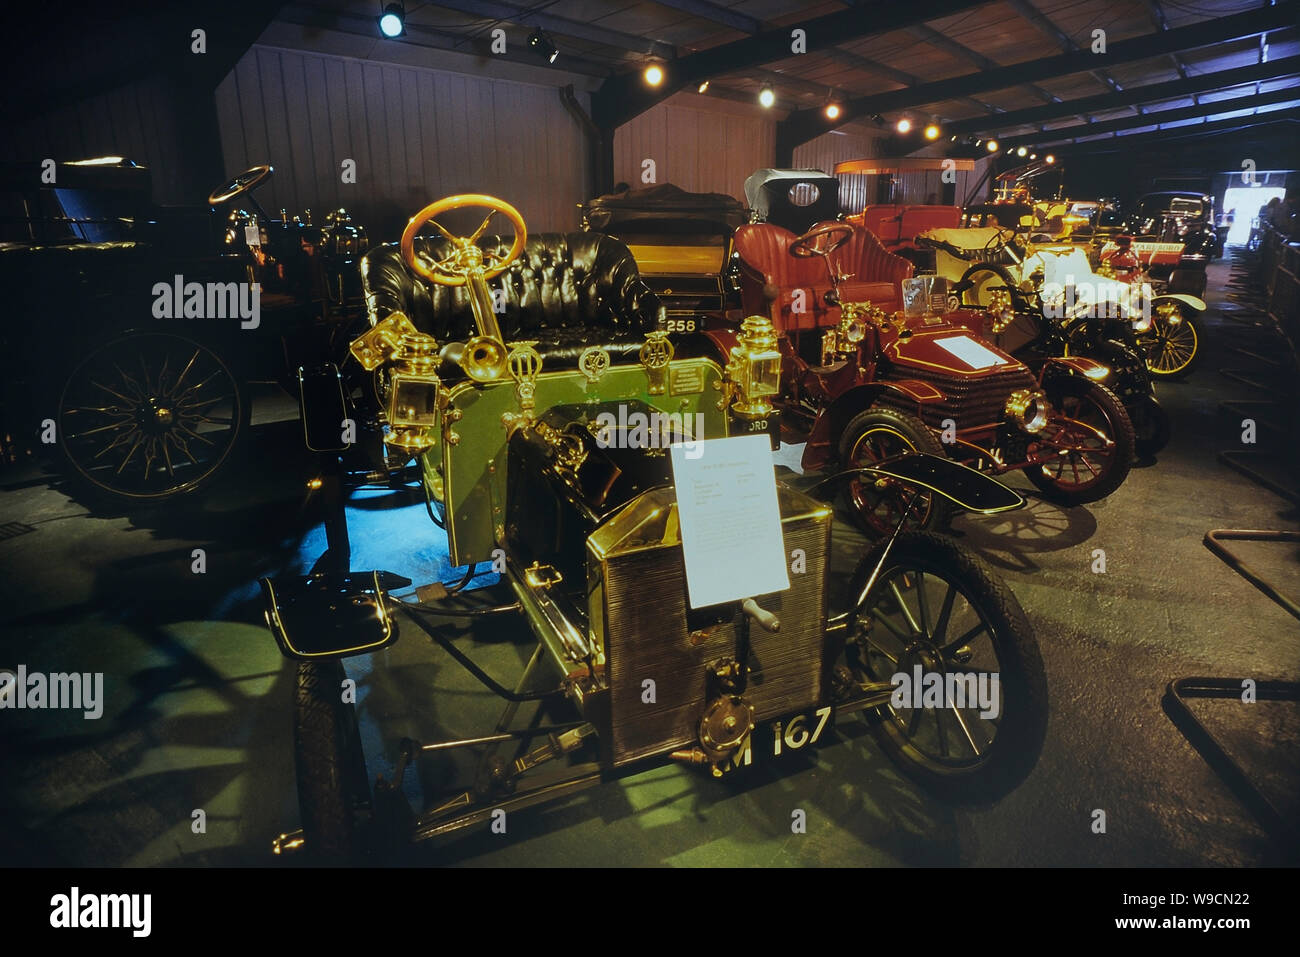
(808, 245)
(466, 259)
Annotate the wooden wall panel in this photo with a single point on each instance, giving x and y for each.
(702, 144)
(416, 134)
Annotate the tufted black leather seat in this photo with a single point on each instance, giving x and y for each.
(567, 291)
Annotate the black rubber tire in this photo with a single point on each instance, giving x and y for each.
(1147, 343)
(1117, 425)
(913, 433)
(1019, 737)
(330, 766)
(1152, 428)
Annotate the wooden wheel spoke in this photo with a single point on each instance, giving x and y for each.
(193, 434)
(127, 399)
(907, 612)
(119, 441)
(139, 440)
(125, 424)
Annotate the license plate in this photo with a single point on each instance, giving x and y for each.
(783, 736)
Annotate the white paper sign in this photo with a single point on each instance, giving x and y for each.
(730, 520)
(970, 352)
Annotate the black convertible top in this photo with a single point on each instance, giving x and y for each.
(664, 209)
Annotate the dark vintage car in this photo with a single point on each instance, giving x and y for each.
(1175, 235)
(681, 242)
(132, 329)
(543, 433)
(793, 199)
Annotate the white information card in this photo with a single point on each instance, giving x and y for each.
(730, 520)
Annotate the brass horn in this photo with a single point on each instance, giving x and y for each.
(484, 359)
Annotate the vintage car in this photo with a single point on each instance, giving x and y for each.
(1175, 234)
(793, 199)
(522, 420)
(133, 329)
(1033, 328)
(681, 242)
(992, 259)
(896, 222)
(884, 383)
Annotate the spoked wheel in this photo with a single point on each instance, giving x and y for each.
(972, 730)
(149, 416)
(1172, 344)
(1090, 420)
(333, 791)
(876, 505)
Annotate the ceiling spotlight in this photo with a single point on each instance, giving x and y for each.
(953, 138)
(393, 20)
(1022, 151)
(832, 111)
(932, 132)
(1033, 156)
(702, 87)
(653, 74)
(1050, 159)
(991, 146)
(904, 125)
(540, 42)
(766, 97)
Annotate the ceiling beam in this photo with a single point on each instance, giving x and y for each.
(1154, 119)
(1115, 142)
(1044, 23)
(803, 125)
(559, 26)
(962, 52)
(715, 12)
(622, 97)
(1101, 102)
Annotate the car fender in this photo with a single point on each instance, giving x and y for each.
(1193, 301)
(1081, 365)
(820, 450)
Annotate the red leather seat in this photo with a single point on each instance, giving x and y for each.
(883, 220)
(919, 219)
(772, 281)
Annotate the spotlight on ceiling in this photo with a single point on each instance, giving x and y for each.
(540, 42)
(953, 138)
(653, 74)
(932, 132)
(1022, 152)
(1050, 159)
(703, 87)
(978, 142)
(766, 97)
(1033, 156)
(903, 125)
(991, 146)
(832, 111)
(392, 22)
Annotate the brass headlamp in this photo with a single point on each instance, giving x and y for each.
(416, 399)
(1027, 409)
(753, 373)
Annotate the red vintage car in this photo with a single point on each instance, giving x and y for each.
(885, 383)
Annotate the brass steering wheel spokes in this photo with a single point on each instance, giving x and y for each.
(466, 260)
(245, 181)
(810, 243)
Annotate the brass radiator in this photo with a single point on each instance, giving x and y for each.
(639, 615)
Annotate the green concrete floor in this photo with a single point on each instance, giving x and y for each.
(198, 698)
